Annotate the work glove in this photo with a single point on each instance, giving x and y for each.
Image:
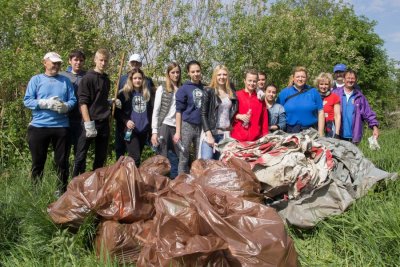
(90, 129)
(118, 103)
(260, 94)
(49, 103)
(61, 107)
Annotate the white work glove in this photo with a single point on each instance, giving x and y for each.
(260, 94)
(90, 129)
(118, 103)
(61, 107)
(49, 103)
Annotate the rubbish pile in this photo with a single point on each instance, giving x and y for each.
(304, 177)
(212, 217)
(230, 212)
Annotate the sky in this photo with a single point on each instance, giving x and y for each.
(387, 15)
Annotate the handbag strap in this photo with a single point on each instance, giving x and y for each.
(296, 94)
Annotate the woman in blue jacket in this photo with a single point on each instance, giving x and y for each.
(302, 103)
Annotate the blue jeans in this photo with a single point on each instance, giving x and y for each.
(207, 151)
(174, 160)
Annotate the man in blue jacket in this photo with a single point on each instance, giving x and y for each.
(50, 96)
(355, 110)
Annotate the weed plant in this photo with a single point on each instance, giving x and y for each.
(368, 234)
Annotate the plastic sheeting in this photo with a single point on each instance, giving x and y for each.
(307, 178)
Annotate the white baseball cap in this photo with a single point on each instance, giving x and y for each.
(53, 57)
(135, 57)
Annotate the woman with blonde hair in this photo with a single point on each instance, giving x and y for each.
(302, 103)
(134, 118)
(251, 120)
(218, 106)
(163, 121)
(331, 103)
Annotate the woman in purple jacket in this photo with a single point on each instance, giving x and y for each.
(355, 110)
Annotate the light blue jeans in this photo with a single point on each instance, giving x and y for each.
(207, 151)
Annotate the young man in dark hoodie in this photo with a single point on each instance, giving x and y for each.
(74, 73)
(93, 93)
(188, 114)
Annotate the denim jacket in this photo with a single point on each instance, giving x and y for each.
(277, 116)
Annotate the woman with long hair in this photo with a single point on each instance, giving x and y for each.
(218, 106)
(302, 103)
(134, 118)
(331, 103)
(163, 119)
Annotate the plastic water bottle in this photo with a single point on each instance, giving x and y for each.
(246, 125)
(180, 146)
(160, 140)
(128, 135)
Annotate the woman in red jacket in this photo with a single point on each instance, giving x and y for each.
(251, 120)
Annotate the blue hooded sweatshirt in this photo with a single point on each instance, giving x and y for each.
(188, 102)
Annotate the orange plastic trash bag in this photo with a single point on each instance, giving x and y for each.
(119, 192)
(196, 226)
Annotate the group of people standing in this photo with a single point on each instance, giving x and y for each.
(71, 109)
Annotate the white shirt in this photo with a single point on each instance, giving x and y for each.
(170, 118)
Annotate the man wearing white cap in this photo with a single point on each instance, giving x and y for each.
(135, 62)
(50, 96)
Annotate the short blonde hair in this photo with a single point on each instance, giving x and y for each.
(296, 69)
(103, 52)
(324, 76)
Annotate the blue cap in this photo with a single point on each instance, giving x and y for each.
(339, 67)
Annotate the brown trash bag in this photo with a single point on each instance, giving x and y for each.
(121, 241)
(118, 192)
(235, 177)
(196, 226)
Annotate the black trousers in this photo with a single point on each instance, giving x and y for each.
(100, 149)
(74, 132)
(39, 139)
(120, 145)
(135, 146)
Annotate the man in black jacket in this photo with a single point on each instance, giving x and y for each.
(93, 103)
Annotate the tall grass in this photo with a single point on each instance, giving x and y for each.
(366, 235)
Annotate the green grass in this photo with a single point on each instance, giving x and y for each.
(368, 234)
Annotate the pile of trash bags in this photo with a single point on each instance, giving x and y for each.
(230, 212)
(212, 217)
(306, 178)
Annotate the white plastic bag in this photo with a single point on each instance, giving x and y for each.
(373, 143)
